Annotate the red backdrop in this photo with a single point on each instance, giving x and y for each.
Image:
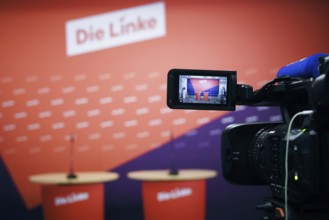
(114, 99)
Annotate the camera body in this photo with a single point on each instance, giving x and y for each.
(259, 157)
(254, 154)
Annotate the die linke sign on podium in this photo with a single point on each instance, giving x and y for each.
(115, 28)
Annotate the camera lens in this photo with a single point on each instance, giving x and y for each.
(266, 156)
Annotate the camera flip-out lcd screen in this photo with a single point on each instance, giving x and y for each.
(201, 89)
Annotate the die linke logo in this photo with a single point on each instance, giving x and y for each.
(174, 194)
(116, 28)
(71, 198)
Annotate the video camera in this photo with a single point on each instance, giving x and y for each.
(292, 157)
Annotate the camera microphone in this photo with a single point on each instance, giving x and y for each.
(305, 68)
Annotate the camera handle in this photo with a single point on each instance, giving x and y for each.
(274, 210)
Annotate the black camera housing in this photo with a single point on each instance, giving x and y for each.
(254, 154)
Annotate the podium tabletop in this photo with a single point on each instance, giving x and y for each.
(81, 178)
(164, 175)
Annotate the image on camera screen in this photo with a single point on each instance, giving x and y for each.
(202, 89)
